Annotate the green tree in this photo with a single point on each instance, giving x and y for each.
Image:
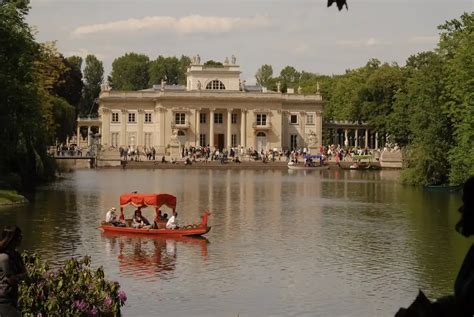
(24, 162)
(164, 68)
(130, 72)
(264, 75)
(457, 47)
(184, 63)
(289, 77)
(212, 63)
(93, 76)
(69, 85)
(420, 105)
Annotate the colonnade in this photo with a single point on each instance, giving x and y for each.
(355, 137)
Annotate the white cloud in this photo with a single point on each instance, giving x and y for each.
(359, 43)
(301, 49)
(83, 52)
(424, 39)
(184, 25)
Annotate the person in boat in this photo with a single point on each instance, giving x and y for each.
(111, 218)
(12, 270)
(172, 222)
(138, 220)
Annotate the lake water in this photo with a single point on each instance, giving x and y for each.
(283, 243)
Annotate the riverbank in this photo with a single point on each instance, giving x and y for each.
(257, 165)
(11, 197)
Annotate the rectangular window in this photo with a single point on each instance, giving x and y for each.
(131, 118)
(180, 118)
(148, 139)
(310, 119)
(202, 140)
(261, 119)
(218, 118)
(234, 118)
(202, 118)
(115, 139)
(147, 117)
(294, 119)
(294, 141)
(234, 140)
(115, 117)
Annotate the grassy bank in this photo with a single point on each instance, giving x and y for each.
(11, 197)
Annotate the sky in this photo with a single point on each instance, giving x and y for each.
(304, 34)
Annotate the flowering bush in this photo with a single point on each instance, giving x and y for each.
(73, 290)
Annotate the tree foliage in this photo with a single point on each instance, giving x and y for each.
(264, 75)
(93, 77)
(170, 69)
(130, 72)
(22, 107)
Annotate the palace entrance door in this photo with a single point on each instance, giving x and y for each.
(261, 142)
(219, 141)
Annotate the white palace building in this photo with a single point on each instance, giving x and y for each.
(214, 108)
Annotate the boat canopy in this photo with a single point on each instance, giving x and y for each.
(145, 200)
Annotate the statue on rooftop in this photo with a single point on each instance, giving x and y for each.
(233, 60)
(198, 59)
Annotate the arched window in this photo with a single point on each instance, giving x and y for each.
(181, 133)
(215, 85)
(261, 134)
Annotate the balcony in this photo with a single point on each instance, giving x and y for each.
(266, 126)
(185, 125)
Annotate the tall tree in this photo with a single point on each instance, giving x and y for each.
(420, 106)
(289, 77)
(69, 85)
(23, 162)
(263, 75)
(184, 63)
(93, 76)
(164, 68)
(130, 72)
(457, 47)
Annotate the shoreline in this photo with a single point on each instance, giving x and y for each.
(277, 165)
(11, 198)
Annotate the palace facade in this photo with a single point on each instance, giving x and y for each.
(215, 108)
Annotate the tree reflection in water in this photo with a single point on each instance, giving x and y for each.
(149, 257)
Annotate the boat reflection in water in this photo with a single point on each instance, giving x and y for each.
(150, 257)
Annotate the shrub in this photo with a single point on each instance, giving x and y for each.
(73, 290)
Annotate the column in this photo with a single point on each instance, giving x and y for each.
(229, 130)
(162, 129)
(78, 135)
(211, 128)
(141, 119)
(366, 138)
(356, 139)
(243, 127)
(198, 127)
(376, 140)
(123, 128)
(346, 137)
(88, 135)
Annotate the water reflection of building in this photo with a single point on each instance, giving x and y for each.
(151, 257)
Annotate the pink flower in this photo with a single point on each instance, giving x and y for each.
(94, 311)
(108, 301)
(122, 296)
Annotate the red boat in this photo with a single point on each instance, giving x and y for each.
(156, 201)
